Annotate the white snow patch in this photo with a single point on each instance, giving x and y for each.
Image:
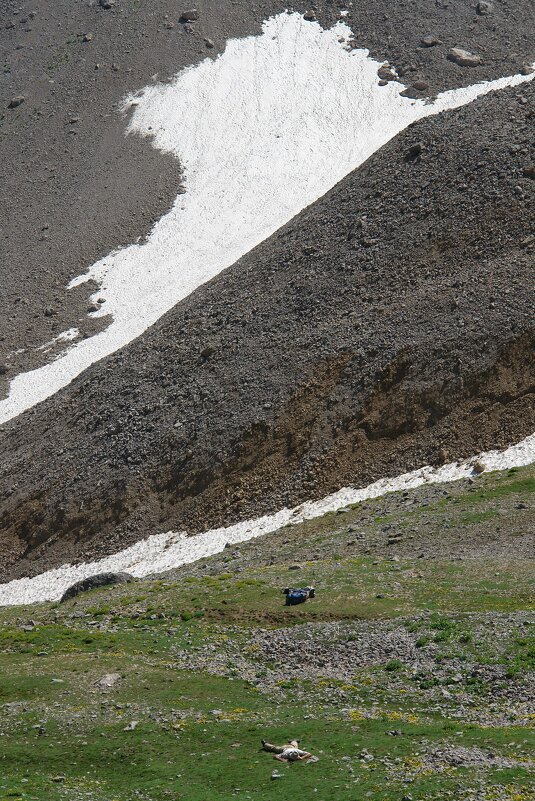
(163, 552)
(65, 336)
(262, 131)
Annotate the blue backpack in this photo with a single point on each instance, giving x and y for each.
(296, 597)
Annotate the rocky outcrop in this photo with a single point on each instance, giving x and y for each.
(94, 582)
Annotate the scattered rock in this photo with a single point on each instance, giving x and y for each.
(87, 37)
(529, 172)
(107, 681)
(485, 7)
(294, 567)
(429, 41)
(310, 16)
(208, 42)
(414, 151)
(92, 582)
(420, 86)
(189, 16)
(208, 351)
(131, 726)
(386, 73)
(478, 467)
(463, 57)
(107, 3)
(3, 369)
(527, 69)
(16, 101)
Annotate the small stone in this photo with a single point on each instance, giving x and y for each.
(107, 681)
(529, 172)
(382, 82)
(3, 369)
(276, 775)
(527, 69)
(208, 351)
(420, 86)
(294, 567)
(208, 42)
(310, 16)
(478, 467)
(429, 41)
(385, 73)
(463, 57)
(16, 101)
(189, 16)
(107, 3)
(414, 151)
(484, 7)
(131, 726)
(58, 779)
(87, 37)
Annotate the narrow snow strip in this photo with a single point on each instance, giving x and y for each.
(262, 131)
(163, 552)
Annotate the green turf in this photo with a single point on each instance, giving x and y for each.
(197, 736)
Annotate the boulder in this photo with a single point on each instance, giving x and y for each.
(92, 582)
(463, 58)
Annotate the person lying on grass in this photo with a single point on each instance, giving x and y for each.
(287, 753)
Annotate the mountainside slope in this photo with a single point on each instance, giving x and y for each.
(74, 187)
(387, 326)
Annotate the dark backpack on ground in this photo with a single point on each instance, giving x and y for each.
(298, 596)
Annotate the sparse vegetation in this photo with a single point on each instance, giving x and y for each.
(432, 700)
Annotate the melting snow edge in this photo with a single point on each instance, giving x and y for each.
(163, 552)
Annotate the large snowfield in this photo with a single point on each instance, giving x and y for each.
(166, 551)
(262, 131)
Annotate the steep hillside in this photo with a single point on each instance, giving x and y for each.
(389, 325)
(75, 188)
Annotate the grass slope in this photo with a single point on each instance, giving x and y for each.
(411, 675)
